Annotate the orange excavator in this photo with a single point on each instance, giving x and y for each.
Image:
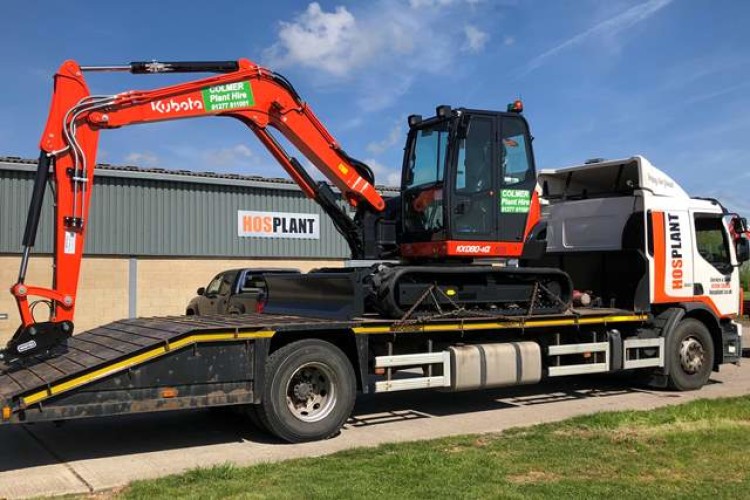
(467, 200)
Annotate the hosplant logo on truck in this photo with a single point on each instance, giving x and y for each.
(675, 246)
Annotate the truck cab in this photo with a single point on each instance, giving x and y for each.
(630, 236)
(608, 218)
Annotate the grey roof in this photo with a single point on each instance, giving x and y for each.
(162, 174)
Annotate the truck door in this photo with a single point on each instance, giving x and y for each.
(250, 287)
(715, 276)
(673, 256)
(225, 292)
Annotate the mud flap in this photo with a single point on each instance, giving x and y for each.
(665, 324)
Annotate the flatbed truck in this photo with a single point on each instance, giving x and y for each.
(297, 376)
(483, 273)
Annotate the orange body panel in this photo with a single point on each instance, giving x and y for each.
(471, 248)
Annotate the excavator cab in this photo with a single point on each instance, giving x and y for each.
(467, 185)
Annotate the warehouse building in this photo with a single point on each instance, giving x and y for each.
(155, 236)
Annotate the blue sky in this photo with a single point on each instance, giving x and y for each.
(669, 79)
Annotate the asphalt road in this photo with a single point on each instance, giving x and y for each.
(90, 455)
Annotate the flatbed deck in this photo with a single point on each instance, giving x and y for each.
(124, 345)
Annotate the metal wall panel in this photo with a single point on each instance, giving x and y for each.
(146, 217)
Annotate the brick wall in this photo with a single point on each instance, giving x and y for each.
(164, 286)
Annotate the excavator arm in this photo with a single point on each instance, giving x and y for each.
(243, 90)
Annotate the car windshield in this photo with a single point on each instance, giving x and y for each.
(213, 287)
(427, 155)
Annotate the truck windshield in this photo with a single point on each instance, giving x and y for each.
(427, 155)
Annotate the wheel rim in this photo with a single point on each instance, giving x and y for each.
(311, 392)
(692, 355)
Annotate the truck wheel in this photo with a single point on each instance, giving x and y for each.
(309, 392)
(691, 356)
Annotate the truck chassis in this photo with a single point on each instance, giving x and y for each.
(297, 376)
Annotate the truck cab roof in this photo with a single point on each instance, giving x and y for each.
(614, 178)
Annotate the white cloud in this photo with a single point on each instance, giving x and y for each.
(228, 157)
(237, 158)
(609, 28)
(352, 123)
(378, 49)
(716, 93)
(509, 40)
(394, 137)
(713, 66)
(384, 175)
(142, 159)
(418, 4)
(330, 41)
(475, 38)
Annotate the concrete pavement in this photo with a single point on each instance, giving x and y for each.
(95, 454)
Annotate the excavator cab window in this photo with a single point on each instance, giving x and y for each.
(427, 155)
(473, 213)
(426, 160)
(515, 152)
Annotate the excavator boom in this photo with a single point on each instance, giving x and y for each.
(252, 94)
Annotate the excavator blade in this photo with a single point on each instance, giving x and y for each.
(332, 295)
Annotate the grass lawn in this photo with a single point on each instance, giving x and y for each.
(700, 449)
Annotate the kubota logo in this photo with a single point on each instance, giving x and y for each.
(173, 106)
(473, 249)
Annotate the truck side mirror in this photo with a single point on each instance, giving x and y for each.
(739, 225)
(201, 291)
(743, 250)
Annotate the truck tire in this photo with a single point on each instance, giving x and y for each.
(691, 355)
(251, 412)
(309, 391)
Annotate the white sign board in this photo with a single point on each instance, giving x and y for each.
(277, 225)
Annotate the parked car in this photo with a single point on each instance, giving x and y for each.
(236, 291)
